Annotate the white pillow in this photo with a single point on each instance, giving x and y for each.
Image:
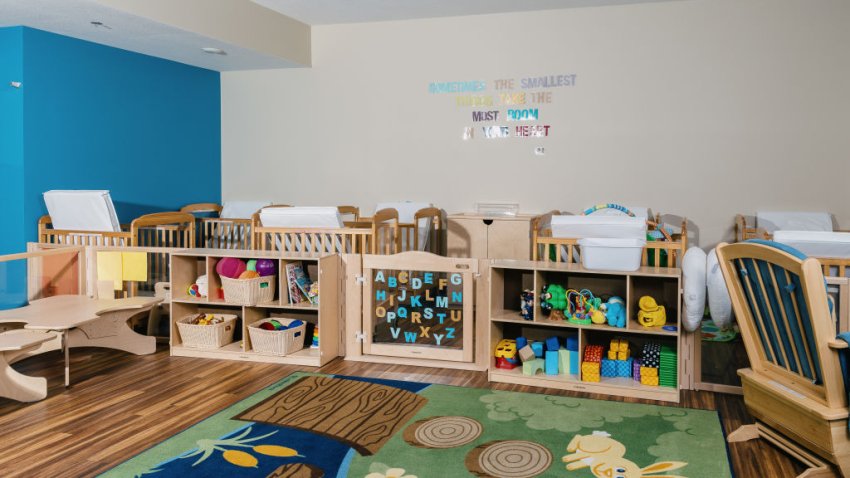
(694, 277)
(794, 221)
(290, 217)
(719, 302)
(817, 243)
(82, 211)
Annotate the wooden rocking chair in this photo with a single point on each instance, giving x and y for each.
(795, 386)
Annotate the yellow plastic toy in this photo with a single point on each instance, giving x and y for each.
(651, 314)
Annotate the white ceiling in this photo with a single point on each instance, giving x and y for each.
(143, 35)
(129, 32)
(324, 12)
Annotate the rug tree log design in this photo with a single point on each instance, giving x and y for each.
(508, 459)
(442, 432)
(360, 414)
(297, 470)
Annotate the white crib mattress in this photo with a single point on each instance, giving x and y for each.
(794, 221)
(241, 209)
(598, 226)
(291, 217)
(82, 211)
(817, 243)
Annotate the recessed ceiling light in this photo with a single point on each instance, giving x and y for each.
(101, 25)
(214, 51)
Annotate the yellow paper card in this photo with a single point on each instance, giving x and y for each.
(135, 266)
(109, 268)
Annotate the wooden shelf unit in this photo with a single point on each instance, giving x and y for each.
(508, 278)
(187, 265)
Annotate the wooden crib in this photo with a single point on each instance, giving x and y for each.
(832, 266)
(562, 249)
(218, 232)
(170, 230)
(379, 235)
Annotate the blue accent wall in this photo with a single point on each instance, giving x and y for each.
(12, 274)
(97, 117)
(11, 141)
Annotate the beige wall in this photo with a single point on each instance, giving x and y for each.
(702, 108)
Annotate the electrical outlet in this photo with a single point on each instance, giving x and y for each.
(540, 151)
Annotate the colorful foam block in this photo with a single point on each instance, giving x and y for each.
(526, 354)
(564, 361)
(551, 365)
(636, 369)
(623, 354)
(648, 372)
(552, 344)
(572, 343)
(574, 362)
(624, 367)
(521, 342)
(537, 347)
(612, 354)
(652, 381)
(608, 368)
(533, 366)
(590, 371)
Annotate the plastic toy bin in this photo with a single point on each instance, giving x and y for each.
(611, 254)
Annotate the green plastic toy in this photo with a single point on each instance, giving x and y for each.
(554, 297)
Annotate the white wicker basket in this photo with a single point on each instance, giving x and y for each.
(276, 342)
(207, 336)
(249, 291)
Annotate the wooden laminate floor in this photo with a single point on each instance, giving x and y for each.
(121, 404)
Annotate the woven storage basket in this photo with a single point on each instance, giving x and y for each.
(276, 342)
(248, 291)
(207, 336)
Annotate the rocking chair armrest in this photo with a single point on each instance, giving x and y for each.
(837, 344)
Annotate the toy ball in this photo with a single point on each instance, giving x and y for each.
(193, 291)
(252, 265)
(266, 267)
(230, 267)
(203, 285)
(249, 274)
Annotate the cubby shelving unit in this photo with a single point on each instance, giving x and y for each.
(508, 278)
(188, 264)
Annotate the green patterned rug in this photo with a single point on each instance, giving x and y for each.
(310, 425)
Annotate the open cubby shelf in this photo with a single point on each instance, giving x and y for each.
(508, 278)
(187, 265)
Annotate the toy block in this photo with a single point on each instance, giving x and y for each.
(572, 343)
(551, 365)
(526, 354)
(590, 371)
(593, 353)
(608, 368)
(521, 342)
(624, 367)
(623, 354)
(636, 369)
(652, 381)
(612, 354)
(648, 372)
(533, 366)
(574, 362)
(564, 361)
(615, 344)
(537, 347)
(552, 344)
(624, 346)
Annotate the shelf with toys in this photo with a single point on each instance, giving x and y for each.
(278, 316)
(586, 329)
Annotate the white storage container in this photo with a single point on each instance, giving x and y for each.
(611, 254)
